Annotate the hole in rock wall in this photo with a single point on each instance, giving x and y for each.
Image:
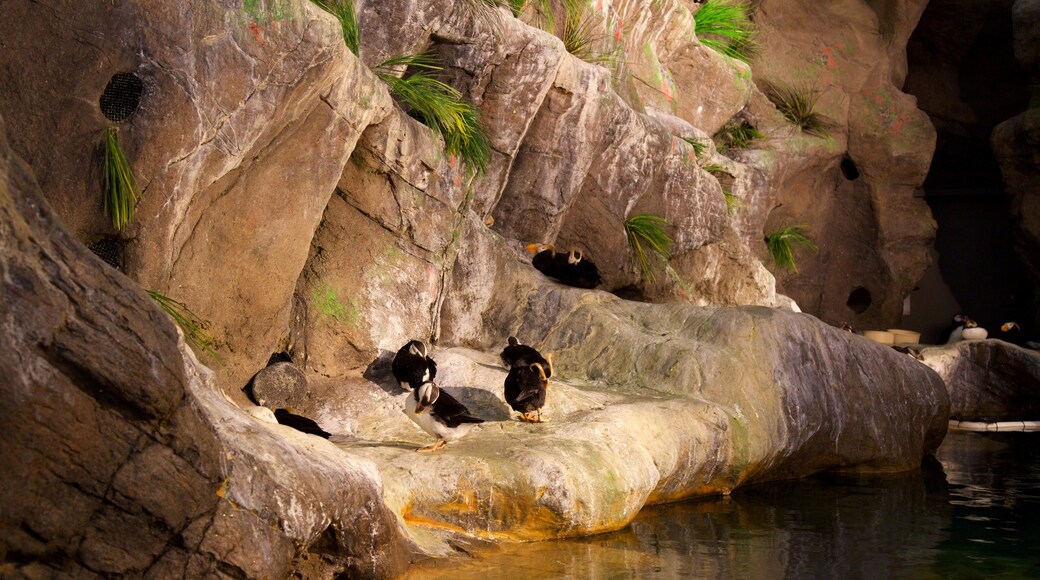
(859, 300)
(849, 169)
(110, 250)
(122, 97)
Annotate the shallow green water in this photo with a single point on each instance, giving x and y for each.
(973, 513)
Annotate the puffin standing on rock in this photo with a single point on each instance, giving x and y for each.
(439, 414)
(519, 354)
(572, 268)
(413, 366)
(525, 389)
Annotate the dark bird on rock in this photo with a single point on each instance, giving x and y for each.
(525, 389)
(572, 268)
(300, 423)
(413, 366)
(518, 354)
(1012, 332)
(439, 414)
(910, 350)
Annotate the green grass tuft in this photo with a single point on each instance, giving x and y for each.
(726, 27)
(581, 34)
(737, 135)
(781, 244)
(117, 180)
(698, 146)
(440, 106)
(798, 105)
(192, 326)
(345, 12)
(732, 201)
(716, 169)
(646, 236)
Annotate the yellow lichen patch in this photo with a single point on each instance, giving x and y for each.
(222, 490)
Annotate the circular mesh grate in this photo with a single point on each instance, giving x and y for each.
(109, 250)
(122, 96)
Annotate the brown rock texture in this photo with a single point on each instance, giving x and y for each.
(122, 457)
(872, 232)
(989, 380)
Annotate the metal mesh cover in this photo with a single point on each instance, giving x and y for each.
(121, 97)
(109, 250)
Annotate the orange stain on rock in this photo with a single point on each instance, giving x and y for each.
(258, 32)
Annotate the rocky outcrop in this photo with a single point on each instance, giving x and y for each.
(122, 456)
(873, 235)
(989, 380)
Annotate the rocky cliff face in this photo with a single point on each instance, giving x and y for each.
(290, 202)
(122, 456)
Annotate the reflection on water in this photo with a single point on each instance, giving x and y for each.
(974, 513)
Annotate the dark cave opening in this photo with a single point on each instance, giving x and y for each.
(966, 78)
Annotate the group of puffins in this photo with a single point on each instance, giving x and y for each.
(441, 415)
(964, 328)
(527, 382)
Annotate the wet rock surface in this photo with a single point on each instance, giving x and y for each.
(989, 380)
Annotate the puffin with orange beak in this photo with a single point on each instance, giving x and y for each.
(439, 414)
(525, 390)
(518, 354)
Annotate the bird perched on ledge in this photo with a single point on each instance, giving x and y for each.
(518, 354)
(439, 414)
(572, 268)
(525, 390)
(412, 366)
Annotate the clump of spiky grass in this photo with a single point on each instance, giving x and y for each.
(726, 27)
(697, 145)
(646, 236)
(798, 105)
(732, 201)
(440, 106)
(581, 36)
(192, 326)
(345, 12)
(544, 12)
(716, 169)
(781, 243)
(737, 135)
(117, 180)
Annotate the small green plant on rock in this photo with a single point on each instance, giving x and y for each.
(117, 180)
(737, 135)
(732, 201)
(697, 145)
(798, 105)
(345, 12)
(192, 326)
(781, 243)
(726, 27)
(440, 106)
(646, 236)
(580, 34)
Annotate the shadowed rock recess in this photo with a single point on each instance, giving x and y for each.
(294, 206)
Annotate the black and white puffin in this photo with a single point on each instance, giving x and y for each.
(572, 268)
(439, 414)
(1012, 332)
(413, 366)
(525, 391)
(519, 354)
(952, 333)
(300, 423)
